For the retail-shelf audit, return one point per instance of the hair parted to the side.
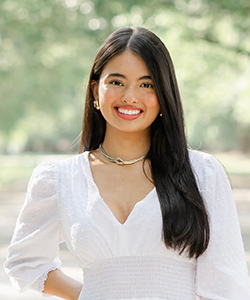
(185, 220)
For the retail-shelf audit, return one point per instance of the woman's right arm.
(32, 259)
(60, 285)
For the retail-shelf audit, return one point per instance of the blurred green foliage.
(47, 48)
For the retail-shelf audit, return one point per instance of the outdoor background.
(46, 51)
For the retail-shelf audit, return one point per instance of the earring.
(96, 105)
(160, 114)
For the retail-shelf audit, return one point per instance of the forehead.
(126, 62)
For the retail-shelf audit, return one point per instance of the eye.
(116, 82)
(147, 85)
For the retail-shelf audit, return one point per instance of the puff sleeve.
(35, 244)
(221, 270)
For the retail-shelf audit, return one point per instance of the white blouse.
(130, 260)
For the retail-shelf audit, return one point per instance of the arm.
(32, 259)
(60, 285)
(221, 270)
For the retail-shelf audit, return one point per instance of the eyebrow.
(123, 76)
(145, 77)
(116, 75)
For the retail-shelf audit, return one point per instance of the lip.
(126, 116)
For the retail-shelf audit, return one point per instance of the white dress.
(125, 261)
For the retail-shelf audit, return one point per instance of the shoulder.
(73, 167)
(47, 176)
(207, 169)
(204, 161)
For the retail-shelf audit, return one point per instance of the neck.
(127, 146)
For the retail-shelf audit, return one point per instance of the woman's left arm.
(221, 270)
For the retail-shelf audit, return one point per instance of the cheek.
(106, 94)
(151, 101)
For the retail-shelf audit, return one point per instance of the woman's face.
(126, 94)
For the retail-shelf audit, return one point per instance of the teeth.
(128, 111)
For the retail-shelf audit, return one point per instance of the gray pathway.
(10, 204)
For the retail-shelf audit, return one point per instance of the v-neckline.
(94, 185)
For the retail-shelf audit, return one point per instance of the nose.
(130, 96)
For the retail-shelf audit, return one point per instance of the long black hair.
(185, 220)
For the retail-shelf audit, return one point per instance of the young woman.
(144, 217)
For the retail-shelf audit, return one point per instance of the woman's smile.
(128, 113)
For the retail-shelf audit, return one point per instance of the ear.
(94, 87)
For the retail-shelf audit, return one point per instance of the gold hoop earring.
(96, 105)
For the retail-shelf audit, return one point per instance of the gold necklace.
(118, 160)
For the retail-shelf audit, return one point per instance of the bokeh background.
(47, 48)
(46, 51)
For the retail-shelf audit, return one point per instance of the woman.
(144, 217)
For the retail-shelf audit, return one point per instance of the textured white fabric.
(139, 276)
(130, 260)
